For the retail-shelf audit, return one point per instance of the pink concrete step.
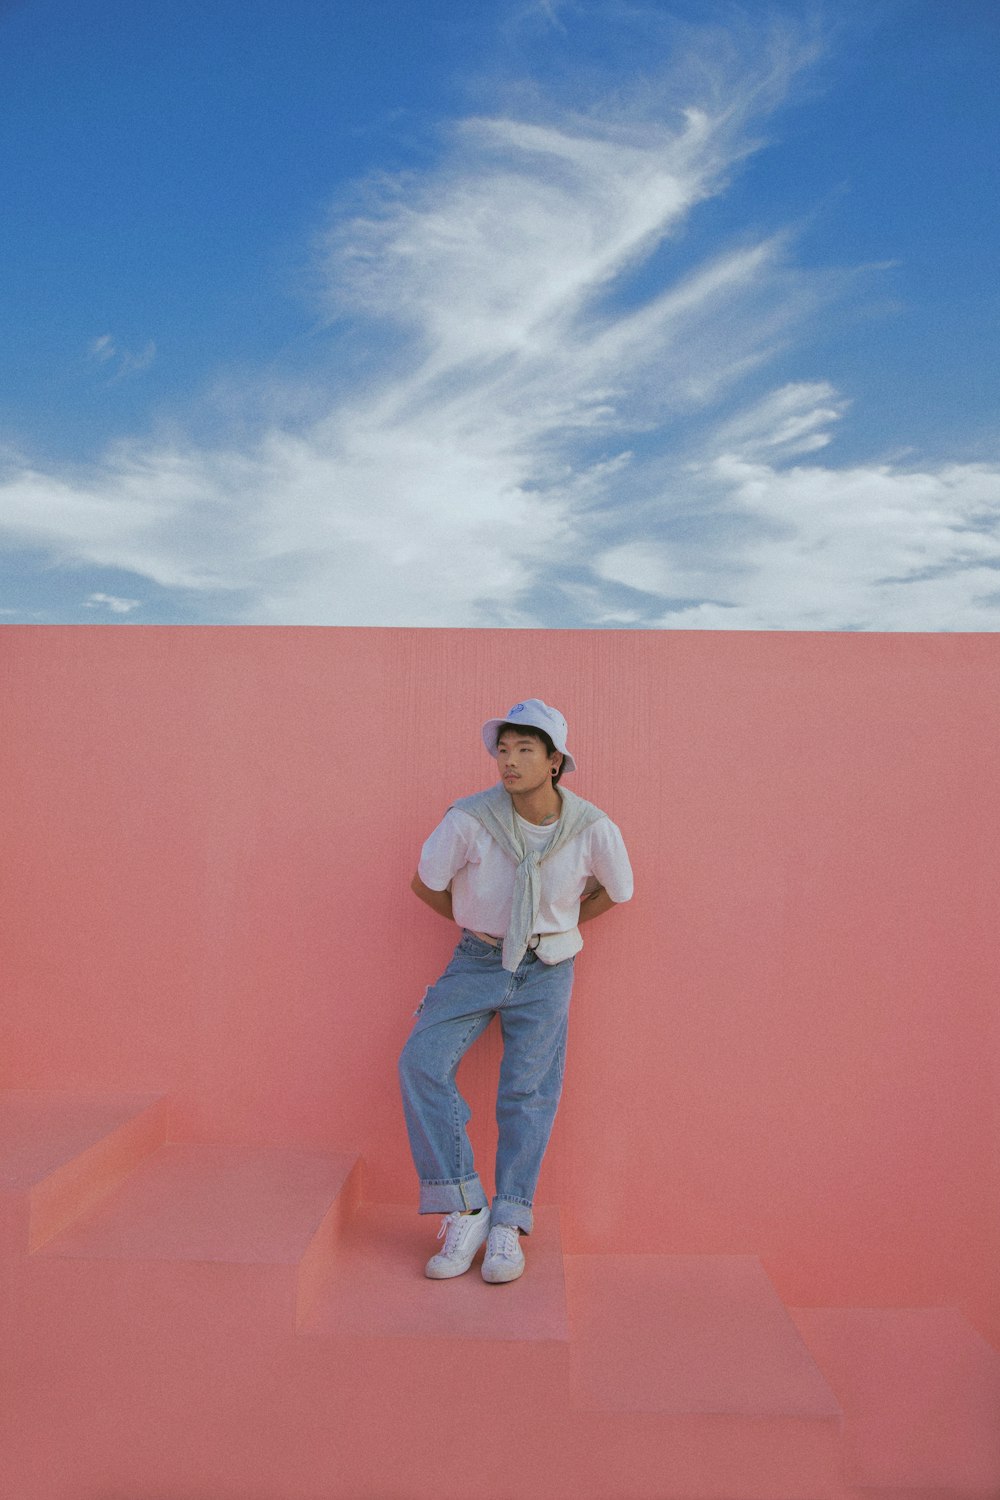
(379, 1289)
(681, 1378)
(672, 1378)
(60, 1153)
(223, 1218)
(692, 1374)
(920, 1391)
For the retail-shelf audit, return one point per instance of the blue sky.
(562, 313)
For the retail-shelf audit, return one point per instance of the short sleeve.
(446, 851)
(610, 861)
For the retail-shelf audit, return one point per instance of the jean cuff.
(452, 1197)
(512, 1211)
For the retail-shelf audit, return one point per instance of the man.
(518, 867)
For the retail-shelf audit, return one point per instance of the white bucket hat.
(540, 716)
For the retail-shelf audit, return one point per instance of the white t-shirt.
(460, 853)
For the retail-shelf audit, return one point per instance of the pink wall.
(785, 1045)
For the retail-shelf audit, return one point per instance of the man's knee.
(416, 1061)
(405, 1063)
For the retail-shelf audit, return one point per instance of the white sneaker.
(504, 1257)
(463, 1236)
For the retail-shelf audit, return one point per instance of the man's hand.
(439, 901)
(594, 903)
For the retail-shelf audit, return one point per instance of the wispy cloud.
(763, 542)
(542, 430)
(111, 602)
(121, 362)
(102, 349)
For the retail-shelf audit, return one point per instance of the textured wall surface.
(785, 1045)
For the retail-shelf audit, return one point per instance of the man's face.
(524, 763)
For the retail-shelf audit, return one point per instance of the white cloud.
(102, 349)
(874, 547)
(795, 419)
(105, 350)
(538, 436)
(112, 602)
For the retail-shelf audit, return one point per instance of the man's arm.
(595, 903)
(439, 901)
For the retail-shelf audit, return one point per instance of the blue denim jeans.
(533, 1006)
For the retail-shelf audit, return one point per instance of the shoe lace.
(451, 1231)
(503, 1241)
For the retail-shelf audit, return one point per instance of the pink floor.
(769, 1225)
(198, 1332)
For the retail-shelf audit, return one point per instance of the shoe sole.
(450, 1272)
(496, 1278)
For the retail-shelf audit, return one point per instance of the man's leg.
(534, 1021)
(455, 1012)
